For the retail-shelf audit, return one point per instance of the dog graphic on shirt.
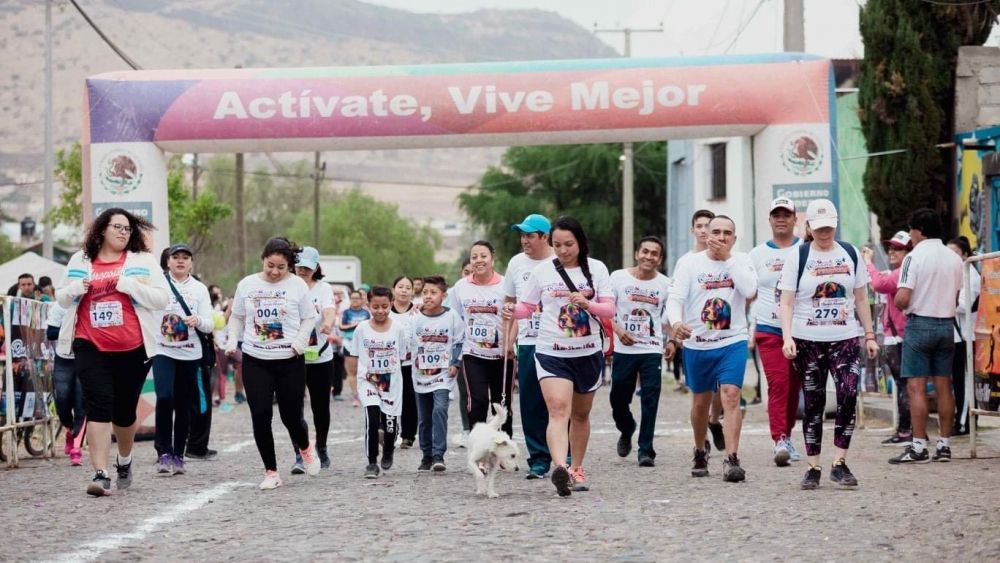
(716, 314)
(574, 321)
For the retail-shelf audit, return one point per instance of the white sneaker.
(311, 461)
(781, 453)
(271, 481)
(794, 454)
(463, 440)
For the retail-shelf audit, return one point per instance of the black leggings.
(408, 418)
(111, 381)
(376, 420)
(339, 373)
(262, 380)
(486, 383)
(318, 382)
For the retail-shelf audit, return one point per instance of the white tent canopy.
(30, 263)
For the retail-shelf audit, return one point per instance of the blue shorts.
(585, 371)
(705, 370)
(928, 347)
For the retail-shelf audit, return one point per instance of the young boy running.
(380, 346)
(437, 339)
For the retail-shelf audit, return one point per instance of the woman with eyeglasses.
(112, 288)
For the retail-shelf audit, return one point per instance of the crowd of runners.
(548, 323)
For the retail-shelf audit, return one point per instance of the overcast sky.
(691, 27)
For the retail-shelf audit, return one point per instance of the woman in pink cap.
(893, 325)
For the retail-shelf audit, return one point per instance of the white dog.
(490, 450)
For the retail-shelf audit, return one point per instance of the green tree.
(70, 173)
(359, 225)
(8, 250)
(906, 97)
(583, 181)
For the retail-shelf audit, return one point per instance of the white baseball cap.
(900, 240)
(782, 203)
(821, 213)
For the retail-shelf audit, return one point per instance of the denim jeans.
(69, 395)
(432, 422)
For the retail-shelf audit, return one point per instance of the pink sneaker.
(310, 460)
(75, 457)
(68, 447)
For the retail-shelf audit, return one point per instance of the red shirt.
(106, 316)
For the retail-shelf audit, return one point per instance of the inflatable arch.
(784, 101)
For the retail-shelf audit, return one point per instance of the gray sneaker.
(124, 479)
(731, 470)
(299, 467)
(164, 463)
(178, 465)
(100, 486)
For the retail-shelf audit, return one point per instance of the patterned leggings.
(813, 362)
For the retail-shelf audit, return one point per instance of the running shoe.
(356, 403)
(239, 399)
(338, 397)
(76, 457)
(579, 479)
(439, 465)
(646, 460)
(536, 472)
(299, 467)
(898, 440)
(100, 485)
(163, 464)
(463, 440)
(324, 458)
(178, 468)
(406, 443)
(425, 463)
(942, 453)
(271, 481)
(124, 479)
(209, 455)
(371, 472)
(700, 466)
(387, 456)
(842, 475)
(731, 470)
(911, 455)
(781, 454)
(718, 438)
(625, 444)
(68, 446)
(811, 480)
(311, 461)
(793, 454)
(562, 481)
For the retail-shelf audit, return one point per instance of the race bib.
(638, 325)
(268, 317)
(481, 331)
(830, 309)
(433, 359)
(534, 323)
(382, 361)
(106, 314)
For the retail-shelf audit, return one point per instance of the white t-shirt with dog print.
(273, 313)
(380, 356)
(433, 344)
(567, 331)
(824, 301)
(640, 309)
(710, 296)
(479, 307)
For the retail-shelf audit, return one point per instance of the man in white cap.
(534, 231)
(893, 328)
(782, 382)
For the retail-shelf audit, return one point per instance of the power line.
(746, 24)
(128, 60)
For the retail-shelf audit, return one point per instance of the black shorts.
(112, 381)
(584, 371)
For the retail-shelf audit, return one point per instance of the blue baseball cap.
(533, 223)
(307, 258)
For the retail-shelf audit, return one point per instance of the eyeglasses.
(123, 229)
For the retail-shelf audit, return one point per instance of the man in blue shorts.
(707, 306)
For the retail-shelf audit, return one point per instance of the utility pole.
(49, 159)
(195, 174)
(794, 26)
(241, 230)
(319, 171)
(628, 187)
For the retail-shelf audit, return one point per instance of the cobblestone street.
(215, 512)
